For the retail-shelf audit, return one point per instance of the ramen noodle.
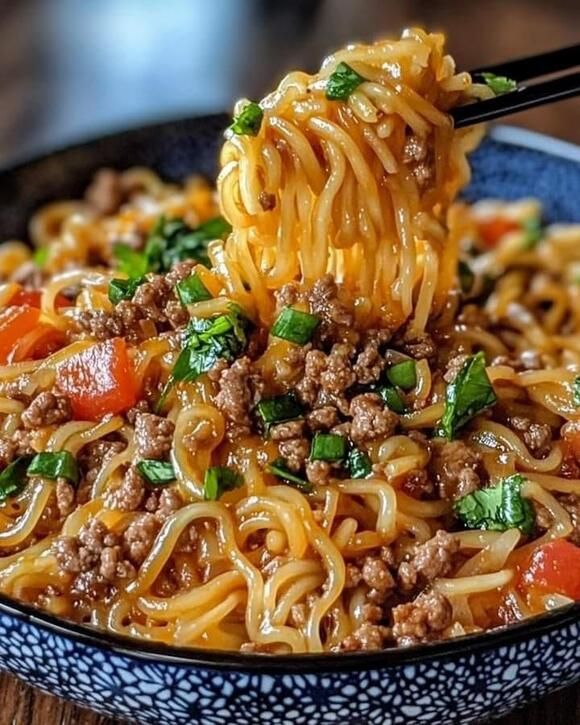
(326, 408)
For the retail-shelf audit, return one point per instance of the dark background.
(73, 69)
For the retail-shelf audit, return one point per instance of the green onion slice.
(342, 82)
(295, 326)
(499, 84)
(218, 480)
(13, 477)
(248, 121)
(61, 464)
(280, 409)
(192, 290)
(124, 289)
(358, 464)
(393, 399)
(403, 375)
(280, 469)
(157, 473)
(328, 447)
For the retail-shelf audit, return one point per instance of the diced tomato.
(32, 297)
(99, 380)
(554, 567)
(492, 230)
(39, 343)
(15, 323)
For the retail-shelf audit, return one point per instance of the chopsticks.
(525, 96)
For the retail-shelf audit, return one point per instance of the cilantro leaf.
(469, 394)
(497, 508)
(342, 82)
(248, 121)
(499, 84)
(124, 289)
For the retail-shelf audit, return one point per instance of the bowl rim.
(544, 624)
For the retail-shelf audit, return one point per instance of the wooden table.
(23, 705)
(43, 56)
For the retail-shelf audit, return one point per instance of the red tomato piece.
(492, 230)
(15, 322)
(554, 567)
(39, 343)
(99, 380)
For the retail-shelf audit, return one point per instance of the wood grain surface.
(49, 49)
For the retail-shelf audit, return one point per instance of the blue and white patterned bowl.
(459, 681)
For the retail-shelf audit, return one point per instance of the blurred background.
(72, 69)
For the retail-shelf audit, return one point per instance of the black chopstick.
(534, 66)
(524, 97)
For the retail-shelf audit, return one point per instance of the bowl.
(458, 681)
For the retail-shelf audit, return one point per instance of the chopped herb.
(328, 447)
(466, 277)
(576, 391)
(279, 410)
(469, 394)
(342, 82)
(207, 341)
(249, 120)
(40, 256)
(499, 84)
(497, 508)
(358, 464)
(124, 289)
(218, 480)
(295, 326)
(532, 228)
(157, 473)
(393, 399)
(403, 375)
(280, 469)
(192, 290)
(13, 477)
(54, 465)
(129, 261)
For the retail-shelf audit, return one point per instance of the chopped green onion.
(469, 394)
(403, 375)
(499, 84)
(576, 391)
(342, 82)
(129, 261)
(533, 232)
(279, 468)
(218, 480)
(497, 508)
(328, 447)
(279, 410)
(466, 277)
(295, 326)
(192, 290)
(124, 289)
(393, 399)
(54, 465)
(249, 120)
(40, 256)
(358, 464)
(13, 477)
(157, 473)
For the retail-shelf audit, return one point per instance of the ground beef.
(324, 301)
(163, 504)
(267, 201)
(419, 345)
(322, 419)
(422, 620)
(418, 484)
(367, 637)
(428, 561)
(65, 497)
(99, 324)
(47, 409)
(287, 296)
(318, 472)
(94, 556)
(129, 495)
(105, 193)
(353, 576)
(7, 452)
(153, 436)
(298, 615)
(456, 469)
(370, 419)
(327, 378)
(369, 363)
(295, 452)
(93, 457)
(240, 388)
(287, 431)
(571, 502)
(139, 536)
(376, 575)
(536, 436)
(474, 316)
(309, 386)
